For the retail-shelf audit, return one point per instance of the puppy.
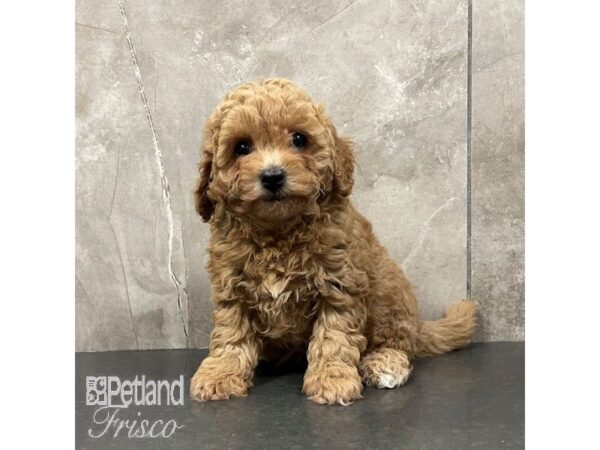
(294, 268)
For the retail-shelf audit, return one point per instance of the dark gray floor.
(473, 398)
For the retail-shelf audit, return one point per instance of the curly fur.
(304, 273)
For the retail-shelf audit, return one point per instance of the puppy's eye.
(243, 147)
(299, 140)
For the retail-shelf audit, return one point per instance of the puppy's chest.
(282, 291)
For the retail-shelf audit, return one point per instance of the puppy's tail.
(454, 330)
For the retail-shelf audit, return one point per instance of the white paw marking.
(388, 381)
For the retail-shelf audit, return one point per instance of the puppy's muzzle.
(273, 179)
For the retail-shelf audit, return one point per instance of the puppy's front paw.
(333, 385)
(210, 383)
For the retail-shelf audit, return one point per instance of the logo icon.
(96, 391)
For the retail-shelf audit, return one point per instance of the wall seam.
(469, 143)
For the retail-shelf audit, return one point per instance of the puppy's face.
(270, 154)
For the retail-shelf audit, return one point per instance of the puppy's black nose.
(273, 179)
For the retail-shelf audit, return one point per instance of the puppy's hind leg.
(386, 364)
(392, 327)
(385, 368)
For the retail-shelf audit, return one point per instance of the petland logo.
(113, 395)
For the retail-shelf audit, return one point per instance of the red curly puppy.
(294, 267)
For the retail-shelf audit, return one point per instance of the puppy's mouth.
(274, 207)
(275, 196)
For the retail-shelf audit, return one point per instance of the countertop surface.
(471, 398)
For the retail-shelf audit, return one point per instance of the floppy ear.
(204, 205)
(343, 156)
(343, 165)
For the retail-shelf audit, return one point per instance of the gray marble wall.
(498, 159)
(395, 76)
